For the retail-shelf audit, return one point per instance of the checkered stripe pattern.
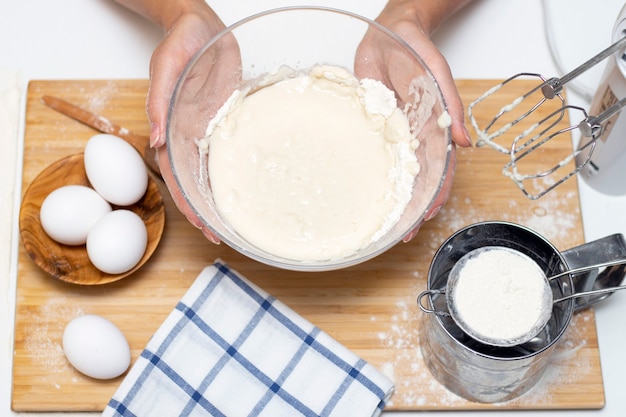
(230, 349)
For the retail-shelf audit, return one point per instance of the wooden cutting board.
(370, 308)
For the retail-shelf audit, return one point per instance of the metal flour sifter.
(600, 157)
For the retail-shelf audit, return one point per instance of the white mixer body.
(606, 170)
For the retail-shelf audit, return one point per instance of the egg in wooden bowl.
(125, 236)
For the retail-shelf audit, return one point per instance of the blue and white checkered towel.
(230, 349)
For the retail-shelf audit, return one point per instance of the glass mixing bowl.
(302, 37)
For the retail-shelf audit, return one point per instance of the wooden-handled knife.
(104, 125)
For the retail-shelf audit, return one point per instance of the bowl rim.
(292, 264)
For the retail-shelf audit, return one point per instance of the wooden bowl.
(71, 263)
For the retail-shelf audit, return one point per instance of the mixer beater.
(546, 104)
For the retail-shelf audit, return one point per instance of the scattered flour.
(415, 386)
(100, 101)
(553, 218)
(43, 340)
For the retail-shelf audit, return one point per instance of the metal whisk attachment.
(532, 120)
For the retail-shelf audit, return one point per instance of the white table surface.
(77, 39)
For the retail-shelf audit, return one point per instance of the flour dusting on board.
(415, 386)
(98, 102)
(44, 337)
(554, 218)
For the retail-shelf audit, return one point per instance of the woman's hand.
(188, 25)
(414, 21)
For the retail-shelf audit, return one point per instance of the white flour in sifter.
(311, 166)
(500, 295)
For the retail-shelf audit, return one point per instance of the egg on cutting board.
(115, 169)
(96, 347)
(100, 215)
(68, 213)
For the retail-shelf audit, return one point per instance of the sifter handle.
(428, 310)
(609, 251)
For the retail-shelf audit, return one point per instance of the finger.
(210, 236)
(412, 233)
(178, 198)
(442, 197)
(442, 73)
(164, 72)
(446, 187)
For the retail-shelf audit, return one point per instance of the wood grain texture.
(371, 308)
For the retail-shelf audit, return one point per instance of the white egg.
(115, 169)
(69, 212)
(117, 242)
(96, 347)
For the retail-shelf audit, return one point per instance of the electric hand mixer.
(601, 142)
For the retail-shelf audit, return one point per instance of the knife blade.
(104, 125)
